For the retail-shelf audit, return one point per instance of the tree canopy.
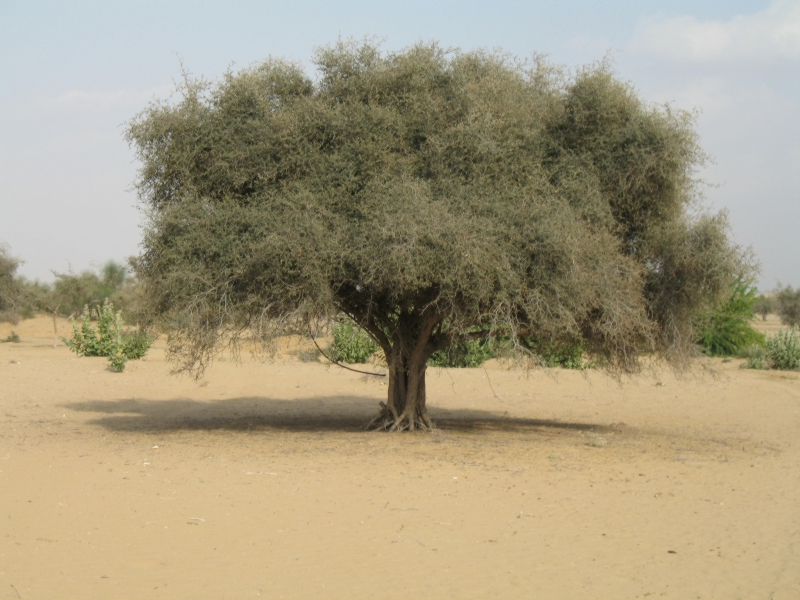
(787, 300)
(432, 196)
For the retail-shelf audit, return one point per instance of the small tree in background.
(764, 306)
(788, 305)
(74, 291)
(10, 289)
(433, 197)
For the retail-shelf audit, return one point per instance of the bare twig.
(489, 381)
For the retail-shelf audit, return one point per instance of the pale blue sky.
(73, 73)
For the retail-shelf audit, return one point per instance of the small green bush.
(135, 345)
(727, 330)
(13, 338)
(783, 350)
(468, 354)
(756, 357)
(88, 341)
(351, 344)
(108, 339)
(567, 354)
(118, 359)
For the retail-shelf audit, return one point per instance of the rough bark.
(405, 408)
(407, 356)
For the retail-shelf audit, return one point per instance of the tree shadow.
(319, 414)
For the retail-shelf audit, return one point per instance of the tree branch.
(338, 364)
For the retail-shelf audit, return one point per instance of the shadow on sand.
(334, 413)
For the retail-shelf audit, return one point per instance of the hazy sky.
(72, 73)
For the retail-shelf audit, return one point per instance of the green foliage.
(69, 293)
(426, 192)
(727, 329)
(466, 354)
(118, 359)
(783, 350)
(788, 305)
(473, 353)
(136, 344)
(351, 344)
(113, 275)
(12, 338)
(34, 297)
(102, 341)
(10, 291)
(108, 338)
(72, 292)
(565, 355)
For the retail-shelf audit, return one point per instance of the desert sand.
(257, 480)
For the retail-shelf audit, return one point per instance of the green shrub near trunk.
(351, 344)
(466, 354)
(727, 330)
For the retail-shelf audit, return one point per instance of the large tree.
(433, 197)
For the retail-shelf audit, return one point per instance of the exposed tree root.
(387, 419)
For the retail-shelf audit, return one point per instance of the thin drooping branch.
(338, 364)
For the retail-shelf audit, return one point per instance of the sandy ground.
(257, 481)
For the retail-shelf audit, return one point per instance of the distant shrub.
(756, 357)
(351, 344)
(307, 354)
(788, 306)
(13, 338)
(565, 353)
(468, 354)
(108, 339)
(727, 329)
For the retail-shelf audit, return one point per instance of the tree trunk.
(405, 408)
(55, 328)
